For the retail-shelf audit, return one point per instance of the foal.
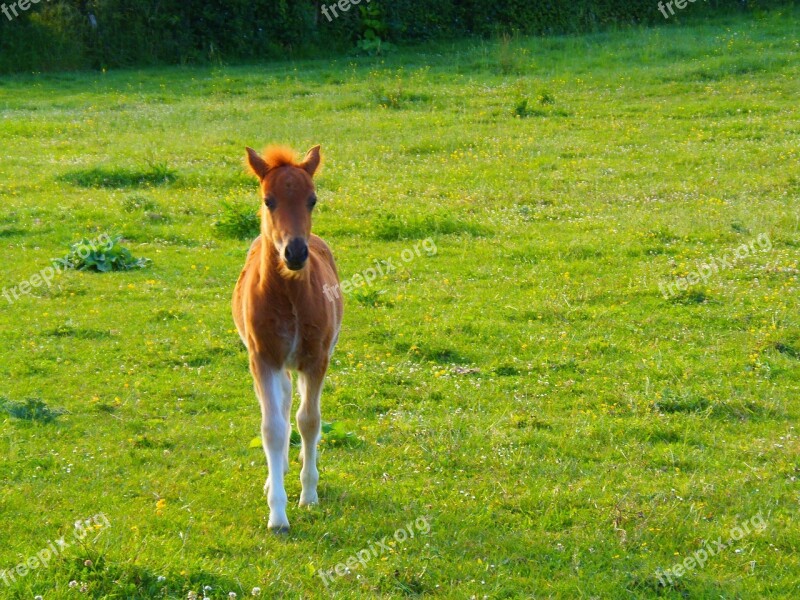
(285, 320)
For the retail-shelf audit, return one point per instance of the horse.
(285, 320)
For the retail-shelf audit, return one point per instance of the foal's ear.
(258, 166)
(311, 161)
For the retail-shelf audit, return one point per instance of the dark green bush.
(71, 34)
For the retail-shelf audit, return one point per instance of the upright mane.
(280, 156)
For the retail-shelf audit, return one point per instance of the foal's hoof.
(279, 529)
(278, 523)
(310, 501)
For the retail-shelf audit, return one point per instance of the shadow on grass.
(395, 228)
(11, 232)
(114, 178)
(789, 350)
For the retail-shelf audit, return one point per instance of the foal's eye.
(270, 202)
(312, 202)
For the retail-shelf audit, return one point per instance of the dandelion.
(160, 506)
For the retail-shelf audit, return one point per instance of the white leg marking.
(309, 422)
(286, 383)
(273, 437)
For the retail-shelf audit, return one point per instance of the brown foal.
(285, 320)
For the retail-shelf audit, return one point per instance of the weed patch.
(31, 409)
(86, 255)
(238, 221)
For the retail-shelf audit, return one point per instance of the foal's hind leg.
(309, 422)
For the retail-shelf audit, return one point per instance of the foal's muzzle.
(296, 254)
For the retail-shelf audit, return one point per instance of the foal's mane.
(280, 156)
(275, 157)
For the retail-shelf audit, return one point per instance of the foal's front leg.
(308, 422)
(286, 382)
(270, 388)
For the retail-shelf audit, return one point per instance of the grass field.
(562, 422)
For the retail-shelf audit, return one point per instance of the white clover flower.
(192, 596)
(161, 579)
(73, 584)
(256, 591)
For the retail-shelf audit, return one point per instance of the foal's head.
(287, 193)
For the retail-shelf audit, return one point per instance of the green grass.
(565, 429)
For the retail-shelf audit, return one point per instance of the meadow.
(527, 400)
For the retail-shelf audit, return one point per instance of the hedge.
(79, 34)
